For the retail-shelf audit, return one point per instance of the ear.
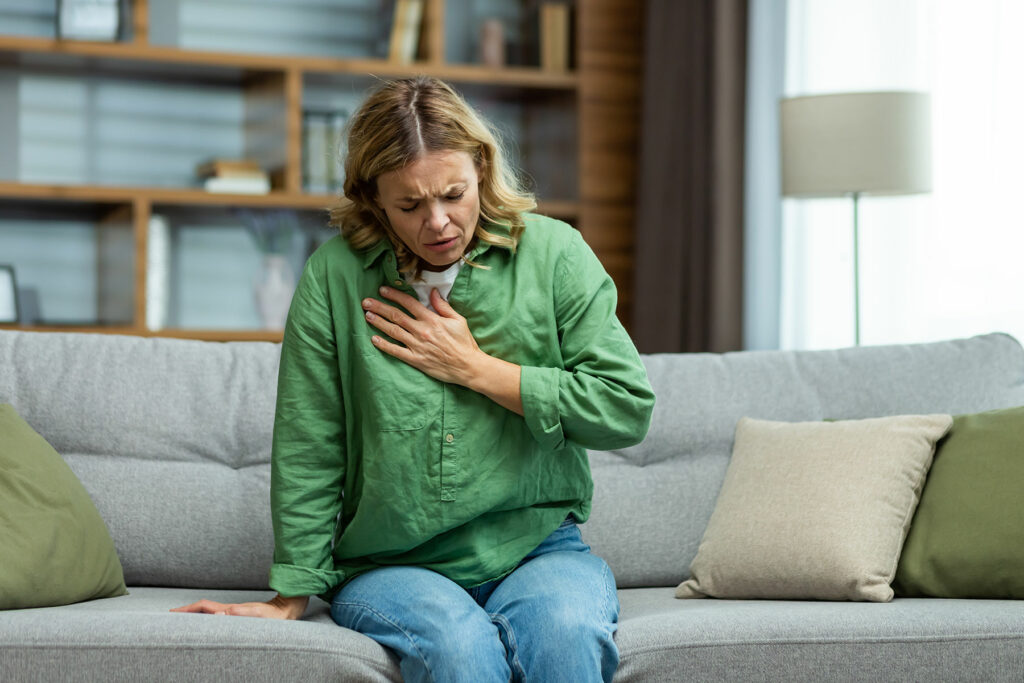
(479, 164)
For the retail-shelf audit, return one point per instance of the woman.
(445, 363)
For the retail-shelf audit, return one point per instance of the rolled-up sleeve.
(307, 460)
(601, 398)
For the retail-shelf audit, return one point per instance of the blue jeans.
(551, 620)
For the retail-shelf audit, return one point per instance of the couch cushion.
(815, 510)
(55, 547)
(135, 638)
(967, 537)
(666, 640)
(653, 501)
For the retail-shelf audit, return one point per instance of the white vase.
(492, 43)
(273, 290)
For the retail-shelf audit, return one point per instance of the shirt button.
(449, 438)
(398, 283)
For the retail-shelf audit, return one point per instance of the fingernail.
(369, 316)
(367, 303)
(384, 290)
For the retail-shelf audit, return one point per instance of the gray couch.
(172, 440)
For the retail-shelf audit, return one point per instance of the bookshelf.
(81, 187)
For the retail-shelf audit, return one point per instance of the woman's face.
(433, 205)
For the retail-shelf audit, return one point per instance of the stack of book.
(323, 150)
(233, 176)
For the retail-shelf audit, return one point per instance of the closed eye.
(450, 198)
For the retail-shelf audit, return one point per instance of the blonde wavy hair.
(399, 123)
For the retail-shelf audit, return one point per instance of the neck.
(435, 269)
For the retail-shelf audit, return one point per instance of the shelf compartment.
(202, 265)
(540, 133)
(538, 128)
(521, 27)
(74, 262)
(110, 130)
(324, 28)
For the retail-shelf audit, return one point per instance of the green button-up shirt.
(375, 463)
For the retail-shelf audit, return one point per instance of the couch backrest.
(172, 438)
(653, 501)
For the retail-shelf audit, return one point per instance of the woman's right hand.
(276, 608)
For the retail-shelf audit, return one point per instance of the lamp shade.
(867, 142)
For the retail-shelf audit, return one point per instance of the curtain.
(689, 234)
(762, 209)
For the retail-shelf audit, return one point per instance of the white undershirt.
(429, 280)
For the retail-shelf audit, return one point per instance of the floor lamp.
(851, 144)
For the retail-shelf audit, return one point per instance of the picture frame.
(8, 295)
(97, 20)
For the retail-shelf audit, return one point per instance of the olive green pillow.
(967, 537)
(55, 547)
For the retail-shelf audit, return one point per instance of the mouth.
(443, 245)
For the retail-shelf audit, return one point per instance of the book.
(115, 272)
(235, 168)
(554, 36)
(405, 31)
(237, 185)
(337, 149)
(316, 156)
(158, 272)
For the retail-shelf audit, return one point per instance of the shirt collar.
(373, 253)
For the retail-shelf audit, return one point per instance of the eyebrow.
(448, 190)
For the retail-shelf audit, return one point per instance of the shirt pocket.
(393, 396)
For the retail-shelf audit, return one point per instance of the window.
(934, 266)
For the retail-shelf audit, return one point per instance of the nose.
(437, 216)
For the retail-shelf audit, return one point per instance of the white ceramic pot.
(273, 290)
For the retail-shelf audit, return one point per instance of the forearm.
(498, 380)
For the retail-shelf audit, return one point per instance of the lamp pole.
(856, 270)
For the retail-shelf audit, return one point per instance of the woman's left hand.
(440, 344)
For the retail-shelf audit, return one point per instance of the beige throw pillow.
(815, 510)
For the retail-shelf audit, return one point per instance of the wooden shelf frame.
(605, 220)
(133, 331)
(103, 194)
(162, 195)
(127, 52)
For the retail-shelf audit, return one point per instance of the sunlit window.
(937, 266)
